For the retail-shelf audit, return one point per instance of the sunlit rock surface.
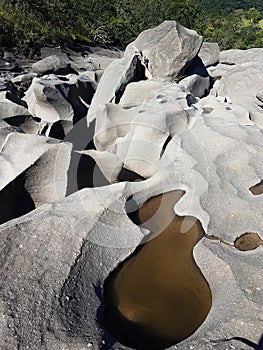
(162, 52)
(209, 53)
(159, 124)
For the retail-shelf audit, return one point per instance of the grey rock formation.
(60, 99)
(33, 172)
(209, 53)
(236, 56)
(9, 66)
(27, 124)
(46, 102)
(197, 79)
(6, 85)
(56, 307)
(114, 81)
(144, 58)
(151, 127)
(22, 82)
(5, 130)
(168, 47)
(11, 105)
(136, 93)
(219, 70)
(53, 64)
(241, 84)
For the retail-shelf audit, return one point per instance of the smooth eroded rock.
(58, 64)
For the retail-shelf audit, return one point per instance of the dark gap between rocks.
(129, 175)
(137, 73)
(158, 296)
(15, 200)
(257, 189)
(57, 131)
(84, 172)
(169, 138)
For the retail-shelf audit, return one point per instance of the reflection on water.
(158, 296)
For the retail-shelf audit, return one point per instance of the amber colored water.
(248, 241)
(158, 296)
(257, 189)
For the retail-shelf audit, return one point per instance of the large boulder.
(162, 53)
(116, 77)
(168, 49)
(209, 53)
(129, 132)
(57, 64)
(46, 102)
(136, 93)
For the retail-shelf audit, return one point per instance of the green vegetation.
(237, 29)
(233, 24)
(230, 5)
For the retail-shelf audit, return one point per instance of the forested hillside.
(230, 5)
(117, 22)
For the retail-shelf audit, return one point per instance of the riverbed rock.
(11, 105)
(5, 130)
(9, 66)
(49, 233)
(54, 98)
(196, 78)
(236, 56)
(170, 40)
(209, 53)
(219, 70)
(146, 135)
(241, 84)
(136, 93)
(34, 172)
(57, 64)
(143, 60)
(46, 102)
(23, 81)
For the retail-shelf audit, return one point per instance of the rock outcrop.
(53, 64)
(77, 160)
(160, 53)
(65, 99)
(209, 54)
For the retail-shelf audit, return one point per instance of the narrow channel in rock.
(158, 296)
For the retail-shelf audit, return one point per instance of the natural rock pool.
(158, 296)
